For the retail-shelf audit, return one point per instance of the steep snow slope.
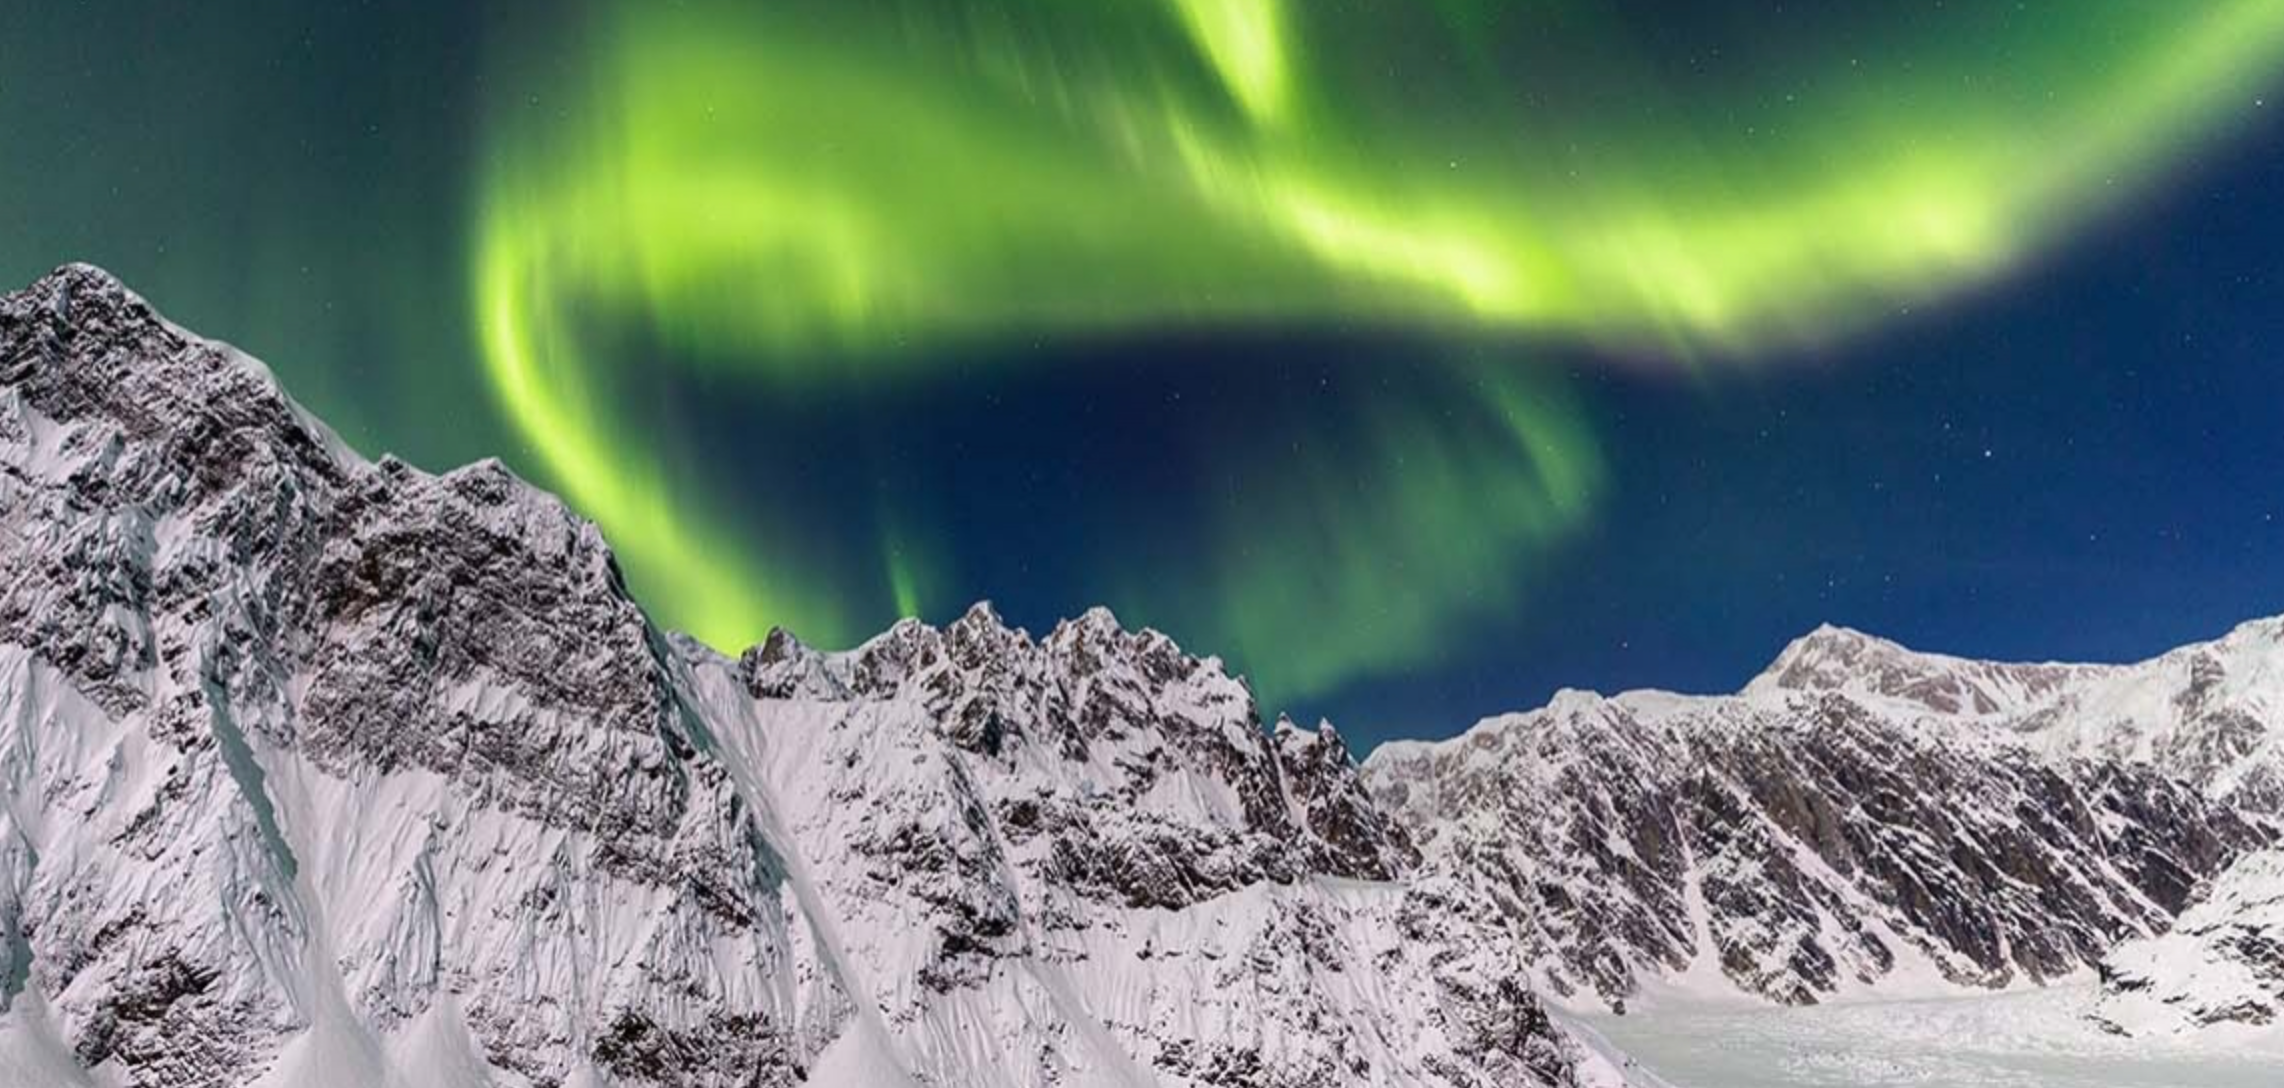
(2223, 962)
(319, 770)
(298, 747)
(2210, 713)
(1090, 842)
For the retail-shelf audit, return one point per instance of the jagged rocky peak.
(1096, 707)
(322, 771)
(298, 734)
(1324, 780)
(81, 348)
(781, 666)
(1090, 677)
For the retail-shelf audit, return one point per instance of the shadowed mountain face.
(1801, 846)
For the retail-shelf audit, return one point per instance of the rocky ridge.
(2205, 713)
(325, 768)
(321, 766)
(1800, 848)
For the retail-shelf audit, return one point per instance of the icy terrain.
(1801, 846)
(2205, 713)
(1884, 838)
(2222, 965)
(2027, 1039)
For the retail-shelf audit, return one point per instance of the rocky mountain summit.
(1869, 669)
(321, 770)
(2205, 713)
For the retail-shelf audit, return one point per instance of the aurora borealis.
(1319, 335)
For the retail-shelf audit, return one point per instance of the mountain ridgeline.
(327, 769)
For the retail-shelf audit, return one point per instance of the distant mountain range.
(1861, 818)
(326, 770)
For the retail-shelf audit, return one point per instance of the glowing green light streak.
(677, 558)
(796, 189)
(1358, 556)
(1245, 40)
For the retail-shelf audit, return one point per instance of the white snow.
(365, 919)
(2027, 1039)
(2220, 971)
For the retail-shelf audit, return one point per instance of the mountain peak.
(982, 612)
(422, 708)
(1834, 658)
(78, 345)
(1825, 651)
(1096, 622)
(80, 276)
(78, 306)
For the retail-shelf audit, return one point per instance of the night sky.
(1419, 358)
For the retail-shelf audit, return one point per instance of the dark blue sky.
(2084, 460)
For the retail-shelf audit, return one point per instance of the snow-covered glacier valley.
(2033, 1038)
(323, 770)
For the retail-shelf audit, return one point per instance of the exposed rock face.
(1800, 846)
(2223, 963)
(323, 770)
(337, 772)
(2207, 713)
(302, 744)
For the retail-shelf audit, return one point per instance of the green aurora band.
(806, 193)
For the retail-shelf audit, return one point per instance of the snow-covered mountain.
(1798, 849)
(1874, 670)
(326, 771)
(321, 770)
(1861, 817)
(2211, 713)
